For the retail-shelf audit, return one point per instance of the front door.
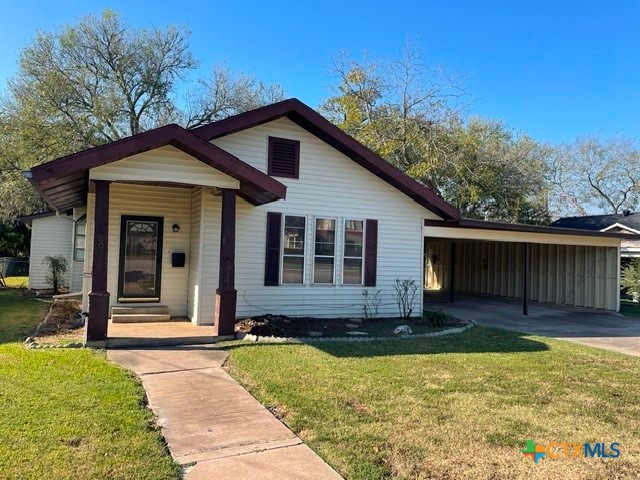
(140, 259)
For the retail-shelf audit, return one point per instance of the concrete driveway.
(595, 328)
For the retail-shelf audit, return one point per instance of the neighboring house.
(56, 235)
(278, 211)
(624, 223)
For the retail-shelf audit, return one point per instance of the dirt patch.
(63, 317)
(283, 326)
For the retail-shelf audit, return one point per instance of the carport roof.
(522, 228)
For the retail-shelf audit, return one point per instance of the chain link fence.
(14, 267)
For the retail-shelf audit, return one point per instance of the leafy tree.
(596, 173)
(14, 240)
(100, 80)
(630, 278)
(410, 114)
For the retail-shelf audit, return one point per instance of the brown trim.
(370, 253)
(226, 296)
(452, 272)
(64, 181)
(123, 251)
(272, 255)
(525, 279)
(322, 128)
(270, 163)
(27, 219)
(519, 227)
(97, 322)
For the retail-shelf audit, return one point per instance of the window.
(79, 238)
(284, 157)
(353, 252)
(325, 247)
(293, 249)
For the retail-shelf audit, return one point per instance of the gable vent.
(284, 157)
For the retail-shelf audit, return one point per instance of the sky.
(554, 70)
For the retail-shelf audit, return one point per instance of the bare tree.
(596, 174)
(226, 93)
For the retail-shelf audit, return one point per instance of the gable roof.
(322, 128)
(64, 182)
(600, 222)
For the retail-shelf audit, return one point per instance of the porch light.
(175, 228)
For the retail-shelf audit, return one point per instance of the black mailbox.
(177, 259)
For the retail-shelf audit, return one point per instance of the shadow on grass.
(476, 340)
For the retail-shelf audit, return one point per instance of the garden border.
(262, 339)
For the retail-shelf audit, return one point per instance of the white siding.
(330, 185)
(210, 256)
(165, 164)
(50, 236)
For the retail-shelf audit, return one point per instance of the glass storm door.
(140, 259)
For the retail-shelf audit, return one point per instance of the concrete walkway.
(596, 328)
(208, 419)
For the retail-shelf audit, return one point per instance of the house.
(277, 210)
(56, 235)
(624, 223)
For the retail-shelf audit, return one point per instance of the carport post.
(525, 278)
(452, 270)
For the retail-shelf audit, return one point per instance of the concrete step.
(132, 309)
(140, 317)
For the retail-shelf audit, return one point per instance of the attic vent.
(284, 157)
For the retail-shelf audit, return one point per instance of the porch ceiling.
(64, 182)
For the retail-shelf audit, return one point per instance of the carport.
(552, 265)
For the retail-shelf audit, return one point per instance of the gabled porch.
(161, 221)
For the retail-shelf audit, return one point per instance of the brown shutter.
(370, 253)
(272, 259)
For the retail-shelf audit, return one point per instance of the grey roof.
(599, 222)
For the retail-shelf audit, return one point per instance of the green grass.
(629, 308)
(16, 282)
(456, 407)
(70, 413)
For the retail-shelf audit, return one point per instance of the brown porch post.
(525, 279)
(226, 295)
(98, 319)
(452, 271)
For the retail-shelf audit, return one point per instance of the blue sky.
(555, 70)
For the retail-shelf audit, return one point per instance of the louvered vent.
(284, 157)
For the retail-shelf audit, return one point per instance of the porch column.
(98, 319)
(452, 271)
(525, 279)
(226, 295)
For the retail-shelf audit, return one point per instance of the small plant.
(630, 278)
(405, 296)
(435, 319)
(57, 266)
(371, 303)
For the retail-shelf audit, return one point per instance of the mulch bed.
(283, 326)
(63, 316)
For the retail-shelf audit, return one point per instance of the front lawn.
(70, 413)
(456, 407)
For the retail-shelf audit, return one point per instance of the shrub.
(435, 319)
(57, 266)
(371, 303)
(405, 296)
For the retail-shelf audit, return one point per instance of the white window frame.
(81, 219)
(304, 253)
(344, 244)
(334, 256)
